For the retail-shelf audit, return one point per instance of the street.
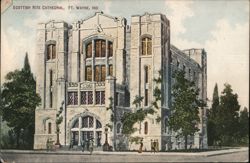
(241, 156)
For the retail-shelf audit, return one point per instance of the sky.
(220, 27)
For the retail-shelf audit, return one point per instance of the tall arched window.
(51, 51)
(146, 46)
(146, 128)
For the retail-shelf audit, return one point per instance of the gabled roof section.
(101, 13)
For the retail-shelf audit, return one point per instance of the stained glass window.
(97, 73)
(103, 74)
(89, 50)
(98, 48)
(88, 73)
(102, 97)
(97, 97)
(72, 98)
(83, 97)
(90, 97)
(103, 52)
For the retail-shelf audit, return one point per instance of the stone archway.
(85, 126)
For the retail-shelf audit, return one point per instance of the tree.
(244, 126)
(213, 117)
(228, 116)
(185, 109)
(59, 119)
(19, 100)
(129, 119)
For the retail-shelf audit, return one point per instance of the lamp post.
(106, 144)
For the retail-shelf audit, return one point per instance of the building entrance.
(86, 128)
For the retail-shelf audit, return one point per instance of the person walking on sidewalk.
(91, 146)
(83, 145)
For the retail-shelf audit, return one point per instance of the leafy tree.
(185, 109)
(244, 126)
(19, 100)
(213, 117)
(228, 116)
(129, 119)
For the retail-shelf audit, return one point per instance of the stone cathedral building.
(81, 65)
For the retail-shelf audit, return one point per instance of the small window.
(146, 46)
(146, 74)
(49, 128)
(72, 98)
(146, 128)
(100, 97)
(51, 51)
(146, 97)
(86, 97)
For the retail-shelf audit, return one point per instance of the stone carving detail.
(100, 84)
(86, 85)
(72, 84)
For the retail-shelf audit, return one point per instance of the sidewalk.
(59, 152)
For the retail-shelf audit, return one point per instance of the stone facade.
(82, 65)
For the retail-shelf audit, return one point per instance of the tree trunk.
(185, 141)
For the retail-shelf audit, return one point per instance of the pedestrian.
(83, 145)
(154, 145)
(141, 146)
(47, 145)
(91, 146)
(157, 145)
(87, 144)
(71, 143)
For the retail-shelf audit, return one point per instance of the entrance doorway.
(86, 128)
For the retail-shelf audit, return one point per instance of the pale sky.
(220, 27)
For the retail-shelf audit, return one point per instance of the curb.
(204, 154)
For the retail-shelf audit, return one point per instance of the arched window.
(51, 51)
(49, 128)
(146, 46)
(118, 128)
(146, 128)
